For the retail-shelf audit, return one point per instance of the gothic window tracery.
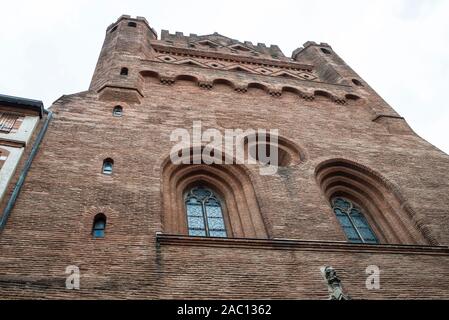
(204, 213)
(353, 222)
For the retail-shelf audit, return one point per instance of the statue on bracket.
(333, 284)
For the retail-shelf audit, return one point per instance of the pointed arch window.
(204, 213)
(353, 222)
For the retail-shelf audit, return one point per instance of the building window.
(7, 121)
(132, 24)
(357, 82)
(118, 111)
(99, 226)
(113, 29)
(108, 165)
(204, 213)
(325, 51)
(124, 72)
(353, 222)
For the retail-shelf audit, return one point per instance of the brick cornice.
(299, 245)
(119, 87)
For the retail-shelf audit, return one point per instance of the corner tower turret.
(331, 68)
(126, 41)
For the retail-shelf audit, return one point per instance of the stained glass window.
(204, 214)
(353, 222)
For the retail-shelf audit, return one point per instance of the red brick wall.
(50, 226)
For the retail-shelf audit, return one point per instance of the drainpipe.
(24, 173)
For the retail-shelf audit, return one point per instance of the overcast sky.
(400, 47)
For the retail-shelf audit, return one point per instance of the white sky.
(400, 47)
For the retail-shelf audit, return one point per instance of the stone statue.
(334, 284)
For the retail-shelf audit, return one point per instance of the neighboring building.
(356, 190)
(19, 118)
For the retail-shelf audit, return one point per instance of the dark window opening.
(124, 72)
(325, 51)
(118, 111)
(108, 165)
(357, 82)
(113, 29)
(132, 24)
(99, 226)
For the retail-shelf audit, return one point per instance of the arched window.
(99, 226)
(108, 165)
(353, 222)
(204, 213)
(118, 111)
(124, 72)
(379, 202)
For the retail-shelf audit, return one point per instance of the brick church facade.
(356, 188)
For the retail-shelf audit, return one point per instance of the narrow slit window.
(124, 72)
(108, 166)
(99, 226)
(117, 111)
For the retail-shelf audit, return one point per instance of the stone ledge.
(12, 143)
(380, 116)
(299, 245)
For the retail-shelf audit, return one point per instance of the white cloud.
(400, 47)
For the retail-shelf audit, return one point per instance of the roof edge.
(24, 103)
